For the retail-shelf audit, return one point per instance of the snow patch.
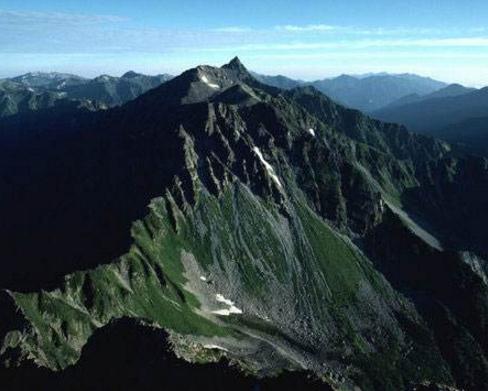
(222, 299)
(207, 82)
(268, 166)
(226, 312)
(311, 131)
(212, 346)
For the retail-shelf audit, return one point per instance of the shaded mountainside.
(126, 356)
(450, 91)
(270, 239)
(453, 118)
(471, 134)
(436, 113)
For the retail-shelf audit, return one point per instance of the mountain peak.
(236, 65)
(130, 75)
(204, 82)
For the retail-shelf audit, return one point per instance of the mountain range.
(458, 116)
(451, 90)
(364, 92)
(273, 229)
(16, 98)
(367, 92)
(451, 112)
(38, 90)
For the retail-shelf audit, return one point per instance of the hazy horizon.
(94, 75)
(307, 41)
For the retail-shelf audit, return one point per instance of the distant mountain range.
(38, 90)
(446, 92)
(18, 98)
(456, 114)
(279, 81)
(367, 92)
(48, 80)
(364, 92)
(115, 90)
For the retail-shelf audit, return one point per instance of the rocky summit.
(273, 230)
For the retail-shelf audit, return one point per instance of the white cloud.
(308, 28)
(233, 29)
(460, 42)
(112, 42)
(50, 18)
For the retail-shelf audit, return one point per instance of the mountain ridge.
(432, 116)
(40, 90)
(451, 90)
(363, 92)
(264, 203)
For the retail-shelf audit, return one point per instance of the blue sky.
(444, 39)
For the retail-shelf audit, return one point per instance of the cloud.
(55, 18)
(308, 28)
(70, 39)
(233, 29)
(458, 42)
(380, 31)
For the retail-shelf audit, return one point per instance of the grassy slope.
(325, 276)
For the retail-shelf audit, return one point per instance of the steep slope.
(128, 356)
(470, 134)
(273, 221)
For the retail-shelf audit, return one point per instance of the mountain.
(436, 113)
(453, 113)
(450, 91)
(373, 92)
(470, 134)
(48, 80)
(272, 229)
(114, 91)
(16, 98)
(38, 90)
(370, 91)
(279, 81)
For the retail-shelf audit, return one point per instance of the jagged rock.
(301, 213)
